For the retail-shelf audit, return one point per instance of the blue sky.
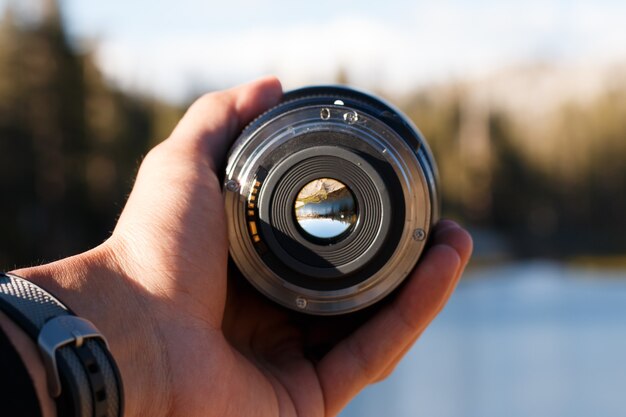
(173, 48)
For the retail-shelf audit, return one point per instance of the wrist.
(93, 287)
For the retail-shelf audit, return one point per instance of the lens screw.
(325, 113)
(233, 186)
(351, 117)
(419, 234)
(301, 302)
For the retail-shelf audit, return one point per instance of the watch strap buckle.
(57, 333)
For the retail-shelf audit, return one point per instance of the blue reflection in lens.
(325, 208)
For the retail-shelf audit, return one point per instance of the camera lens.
(330, 197)
(325, 209)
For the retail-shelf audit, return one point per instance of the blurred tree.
(561, 199)
(341, 76)
(69, 143)
(438, 115)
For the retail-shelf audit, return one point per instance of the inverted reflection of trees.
(339, 210)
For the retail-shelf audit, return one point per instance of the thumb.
(176, 198)
(213, 120)
(183, 167)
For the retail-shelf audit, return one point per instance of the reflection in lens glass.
(325, 208)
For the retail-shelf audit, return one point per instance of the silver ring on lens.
(330, 198)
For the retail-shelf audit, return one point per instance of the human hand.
(188, 341)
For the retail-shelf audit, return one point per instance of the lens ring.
(281, 232)
(368, 199)
(285, 130)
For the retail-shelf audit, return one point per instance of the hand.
(188, 341)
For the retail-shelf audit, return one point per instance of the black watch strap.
(82, 375)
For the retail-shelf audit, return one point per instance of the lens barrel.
(330, 197)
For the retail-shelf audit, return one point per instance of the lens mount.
(329, 198)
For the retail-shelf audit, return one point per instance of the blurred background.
(523, 103)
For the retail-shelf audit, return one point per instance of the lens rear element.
(325, 209)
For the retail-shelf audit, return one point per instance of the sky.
(175, 49)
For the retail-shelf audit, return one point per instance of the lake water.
(524, 340)
(324, 227)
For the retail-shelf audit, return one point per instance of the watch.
(82, 375)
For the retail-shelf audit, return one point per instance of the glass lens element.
(325, 208)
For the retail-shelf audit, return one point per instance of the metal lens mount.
(330, 197)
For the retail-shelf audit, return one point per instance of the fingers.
(450, 233)
(214, 120)
(463, 244)
(363, 356)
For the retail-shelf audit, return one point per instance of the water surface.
(524, 340)
(324, 227)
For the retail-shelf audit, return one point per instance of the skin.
(190, 342)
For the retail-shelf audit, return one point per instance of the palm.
(267, 341)
(284, 347)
